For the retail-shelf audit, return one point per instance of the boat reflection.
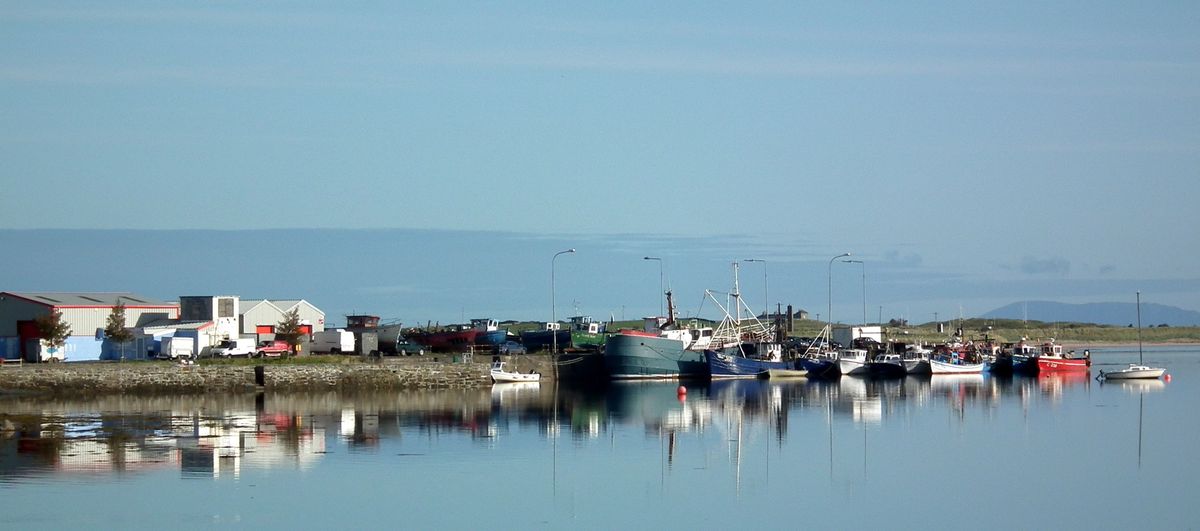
(1135, 387)
(222, 436)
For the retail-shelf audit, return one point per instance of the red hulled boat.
(1052, 359)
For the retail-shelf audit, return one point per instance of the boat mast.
(670, 312)
(737, 303)
(1139, 323)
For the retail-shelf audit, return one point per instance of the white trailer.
(173, 348)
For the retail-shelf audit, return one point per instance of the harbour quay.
(345, 374)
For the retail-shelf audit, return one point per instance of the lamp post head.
(651, 258)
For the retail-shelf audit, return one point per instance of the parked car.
(408, 348)
(510, 348)
(272, 348)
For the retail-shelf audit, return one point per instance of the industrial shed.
(86, 313)
(261, 316)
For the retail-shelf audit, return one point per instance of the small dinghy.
(500, 374)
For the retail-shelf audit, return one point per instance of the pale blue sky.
(1016, 145)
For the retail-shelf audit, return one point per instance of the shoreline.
(157, 377)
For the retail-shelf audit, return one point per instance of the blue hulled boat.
(747, 361)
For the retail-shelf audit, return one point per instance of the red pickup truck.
(274, 348)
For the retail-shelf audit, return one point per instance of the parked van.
(332, 341)
(242, 346)
(173, 348)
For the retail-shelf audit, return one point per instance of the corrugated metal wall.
(13, 310)
(263, 314)
(309, 314)
(85, 321)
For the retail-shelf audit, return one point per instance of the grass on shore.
(1007, 330)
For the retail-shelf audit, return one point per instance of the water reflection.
(221, 437)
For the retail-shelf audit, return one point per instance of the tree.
(52, 329)
(289, 328)
(114, 328)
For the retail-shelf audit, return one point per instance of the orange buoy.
(1167, 378)
(681, 391)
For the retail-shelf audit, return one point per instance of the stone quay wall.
(169, 377)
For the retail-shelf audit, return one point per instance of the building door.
(29, 333)
(264, 329)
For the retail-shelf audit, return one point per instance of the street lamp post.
(553, 314)
(829, 301)
(766, 300)
(864, 286)
(660, 281)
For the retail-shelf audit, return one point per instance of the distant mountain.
(1109, 313)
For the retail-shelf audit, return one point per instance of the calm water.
(943, 452)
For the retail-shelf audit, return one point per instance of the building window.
(225, 307)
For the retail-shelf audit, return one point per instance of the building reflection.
(224, 436)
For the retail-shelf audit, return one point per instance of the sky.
(970, 154)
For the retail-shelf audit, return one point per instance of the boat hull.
(587, 340)
(514, 377)
(454, 341)
(850, 367)
(1024, 365)
(942, 367)
(1045, 364)
(1134, 373)
(886, 369)
(544, 339)
(1002, 365)
(920, 366)
(628, 356)
(491, 337)
(819, 367)
(725, 365)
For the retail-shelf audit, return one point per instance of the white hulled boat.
(500, 374)
(852, 361)
(1135, 371)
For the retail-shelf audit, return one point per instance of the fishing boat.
(490, 333)
(1135, 371)
(916, 360)
(852, 362)
(662, 349)
(746, 363)
(454, 338)
(1052, 359)
(818, 360)
(756, 348)
(553, 335)
(954, 366)
(1021, 359)
(667, 349)
(501, 374)
(886, 366)
(587, 334)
